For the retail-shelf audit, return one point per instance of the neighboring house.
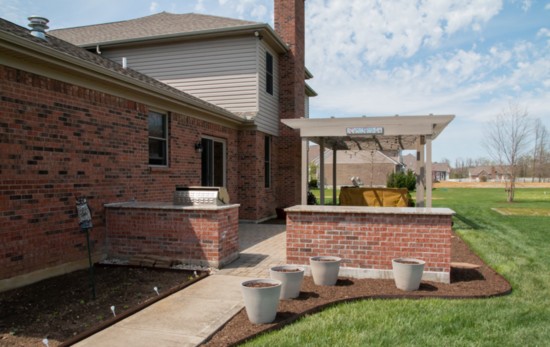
(370, 167)
(440, 171)
(74, 123)
(488, 173)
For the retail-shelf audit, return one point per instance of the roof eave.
(310, 92)
(264, 29)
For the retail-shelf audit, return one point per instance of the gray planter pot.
(407, 273)
(291, 280)
(324, 270)
(261, 302)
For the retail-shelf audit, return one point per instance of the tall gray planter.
(407, 273)
(261, 302)
(324, 270)
(291, 277)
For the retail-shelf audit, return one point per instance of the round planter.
(291, 278)
(407, 273)
(261, 299)
(324, 270)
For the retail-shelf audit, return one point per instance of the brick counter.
(198, 235)
(368, 238)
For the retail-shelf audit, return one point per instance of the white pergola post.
(334, 175)
(420, 172)
(305, 170)
(429, 178)
(322, 172)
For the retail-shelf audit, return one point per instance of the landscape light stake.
(91, 265)
(85, 222)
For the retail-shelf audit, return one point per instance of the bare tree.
(540, 144)
(506, 139)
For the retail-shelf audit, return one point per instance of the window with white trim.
(158, 138)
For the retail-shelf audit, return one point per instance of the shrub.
(313, 183)
(402, 180)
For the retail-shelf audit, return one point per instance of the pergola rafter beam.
(375, 133)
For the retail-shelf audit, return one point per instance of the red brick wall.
(257, 201)
(290, 25)
(200, 237)
(58, 141)
(370, 241)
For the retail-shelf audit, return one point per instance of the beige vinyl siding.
(268, 116)
(220, 71)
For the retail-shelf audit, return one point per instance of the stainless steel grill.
(201, 196)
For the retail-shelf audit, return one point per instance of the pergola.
(373, 133)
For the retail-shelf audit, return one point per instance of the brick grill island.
(201, 234)
(368, 238)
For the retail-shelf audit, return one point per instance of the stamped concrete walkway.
(190, 316)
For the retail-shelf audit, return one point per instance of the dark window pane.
(269, 63)
(157, 152)
(157, 126)
(269, 84)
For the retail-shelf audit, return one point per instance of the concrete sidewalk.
(191, 315)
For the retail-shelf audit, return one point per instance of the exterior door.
(213, 162)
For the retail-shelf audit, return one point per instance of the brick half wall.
(368, 238)
(206, 236)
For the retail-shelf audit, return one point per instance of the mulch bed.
(480, 282)
(60, 308)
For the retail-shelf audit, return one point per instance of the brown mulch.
(480, 282)
(60, 308)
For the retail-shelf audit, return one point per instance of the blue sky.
(464, 57)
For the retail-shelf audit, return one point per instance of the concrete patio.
(190, 316)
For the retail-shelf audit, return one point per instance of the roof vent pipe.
(124, 62)
(38, 26)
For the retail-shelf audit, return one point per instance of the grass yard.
(517, 246)
(328, 195)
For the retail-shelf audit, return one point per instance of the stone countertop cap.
(371, 210)
(153, 205)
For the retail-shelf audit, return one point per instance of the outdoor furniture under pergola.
(372, 133)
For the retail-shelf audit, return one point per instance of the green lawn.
(517, 246)
(328, 195)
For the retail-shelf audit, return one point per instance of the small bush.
(402, 180)
(313, 183)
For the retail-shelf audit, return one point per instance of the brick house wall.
(369, 240)
(59, 141)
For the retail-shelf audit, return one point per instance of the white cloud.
(153, 7)
(199, 6)
(369, 32)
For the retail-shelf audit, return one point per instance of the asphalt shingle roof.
(160, 24)
(69, 49)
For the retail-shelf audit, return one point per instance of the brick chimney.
(290, 26)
